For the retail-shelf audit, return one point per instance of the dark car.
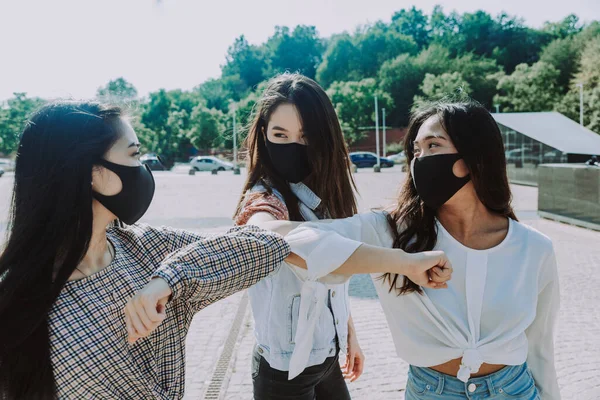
(363, 159)
(1, 172)
(154, 162)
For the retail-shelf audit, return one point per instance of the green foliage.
(339, 61)
(414, 24)
(13, 117)
(355, 107)
(205, 127)
(529, 88)
(117, 91)
(299, 50)
(436, 87)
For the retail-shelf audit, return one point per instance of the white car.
(399, 158)
(210, 163)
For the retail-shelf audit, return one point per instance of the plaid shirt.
(89, 351)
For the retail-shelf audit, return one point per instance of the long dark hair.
(331, 179)
(50, 232)
(477, 138)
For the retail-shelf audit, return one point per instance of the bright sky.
(68, 48)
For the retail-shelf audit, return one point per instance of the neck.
(99, 253)
(465, 215)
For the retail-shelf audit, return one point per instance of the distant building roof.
(553, 129)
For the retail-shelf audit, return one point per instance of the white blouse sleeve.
(325, 246)
(540, 334)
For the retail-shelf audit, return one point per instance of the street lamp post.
(384, 138)
(497, 108)
(377, 167)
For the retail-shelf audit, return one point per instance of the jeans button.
(260, 350)
(333, 294)
(337, 321)
(472, 387)
(428, 387)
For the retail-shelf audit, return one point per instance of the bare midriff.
(451, 368)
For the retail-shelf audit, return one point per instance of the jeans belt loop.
(440, 386)
(490, 385)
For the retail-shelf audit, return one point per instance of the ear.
(460, 169)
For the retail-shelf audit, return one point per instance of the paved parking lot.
(206, 203)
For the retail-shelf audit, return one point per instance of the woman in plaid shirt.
(67, 273)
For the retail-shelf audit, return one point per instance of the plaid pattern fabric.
(89, 351)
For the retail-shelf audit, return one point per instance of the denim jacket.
(288, 296)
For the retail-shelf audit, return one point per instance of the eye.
(433, 144)
(280, 135)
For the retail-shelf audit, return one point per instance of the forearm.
(222, 265)
(368, 259)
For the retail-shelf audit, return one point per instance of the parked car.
(210, 163)
(399, 158)
(364, 159)
(153, 161)
(1, 172)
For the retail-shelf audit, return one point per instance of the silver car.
(210, 163)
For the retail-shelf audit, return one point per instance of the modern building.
(531, 139)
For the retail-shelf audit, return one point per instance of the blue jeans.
(511, 382)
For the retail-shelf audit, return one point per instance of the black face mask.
(434, 179)
(290, 160)
(130, 204)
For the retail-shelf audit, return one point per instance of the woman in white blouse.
(490, 334)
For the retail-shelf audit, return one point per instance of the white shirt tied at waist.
(500, 306)
(470, 364)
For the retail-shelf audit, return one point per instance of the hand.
(146, 310)
(355, 359)
(430, 269)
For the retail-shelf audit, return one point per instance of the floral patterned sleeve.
(256, 202)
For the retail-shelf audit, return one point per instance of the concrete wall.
(571, 191)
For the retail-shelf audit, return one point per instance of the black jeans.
(321, 382)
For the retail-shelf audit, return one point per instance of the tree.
(13, 118)
(529, 88)
(215, 94)
(166, 121)
(589, 66)
(481, 74)
(413, 23)
(401, 78)
(569, 26)
(339, 61)
(563, 54)
(206, 127)
(589, 75)
(354, 105)
(246, 63)
(436, 87)
(297, 51)
(117, 91)
(378, 43)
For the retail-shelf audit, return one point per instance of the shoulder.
(261, 198)
(535, 240)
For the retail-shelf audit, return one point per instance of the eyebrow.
(278, 128)
(134, 144)
(430, 137)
